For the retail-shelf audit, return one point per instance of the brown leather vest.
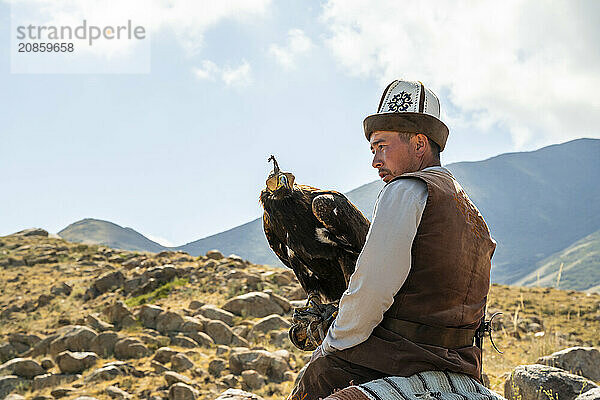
(449, 277)
(447, 286)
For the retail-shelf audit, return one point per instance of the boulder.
(195, 304)
(22, 367)
(8, 384)
(584, 361)
(127, 348)
(220, 332)
(539, 382)
(279, 338)
(593, 394)
(237, 394)
(281, 301)
(104, 344)
(183, 341)
(270, 323)
(112, 370)
(242, 330)
(7, 351)
(297, 293)
(216, 366)
(230, 380)
(201, 338)
(44, 300)
(117, 393)
(119, 314)
(193, 324)
(237, 341)
(106, 373)
(47, 363)
(162, 274)
(61, 289)
(222, 350)
(214, 255)
(131, 285)
(43, 346)
(215, 313)
(51, 380)
(181, 391)
(253, 304)
(75, 362)
(147, 315)
(282, 279)
(173, 377)
(158, 367)
(72, 337)
(266, 363)
(94, 322)
(164, 354)
(168, 321)
(180, 362)
(253, 380)
(105, 283)
(23, 339)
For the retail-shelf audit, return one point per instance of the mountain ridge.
(536, 203)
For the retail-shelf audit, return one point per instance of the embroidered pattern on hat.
(400, 102)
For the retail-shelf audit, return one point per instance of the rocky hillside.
(86, 320)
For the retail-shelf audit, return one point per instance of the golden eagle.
(317, 233)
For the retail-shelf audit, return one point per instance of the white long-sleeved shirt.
(383, 264)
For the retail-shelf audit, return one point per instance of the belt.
(449, 338)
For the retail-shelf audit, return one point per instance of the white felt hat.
(407, 106)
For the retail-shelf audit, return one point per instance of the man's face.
(392, 155)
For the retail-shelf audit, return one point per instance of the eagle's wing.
(276, 244)
(345, 223)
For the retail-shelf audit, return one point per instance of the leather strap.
(449, 338)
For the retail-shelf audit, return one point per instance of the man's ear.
(420, 144)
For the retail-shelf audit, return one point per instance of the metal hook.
(488, 329)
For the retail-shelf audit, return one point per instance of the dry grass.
(567, 317)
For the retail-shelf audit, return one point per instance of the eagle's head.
(279, 184)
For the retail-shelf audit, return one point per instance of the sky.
(170, 135)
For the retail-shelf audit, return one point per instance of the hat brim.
(412, 122)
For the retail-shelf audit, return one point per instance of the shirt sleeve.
(382, 266)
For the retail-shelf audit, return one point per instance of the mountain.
(247, 239)
(578, 266)
(95, 231)
(536, 204)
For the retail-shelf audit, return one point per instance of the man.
(421, 281)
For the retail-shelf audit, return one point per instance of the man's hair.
(435, 148)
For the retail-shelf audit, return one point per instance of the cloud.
(529, 68)
(208, 70)
(298, 43)
(231, 76)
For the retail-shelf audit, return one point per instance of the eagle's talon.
(313, 300)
